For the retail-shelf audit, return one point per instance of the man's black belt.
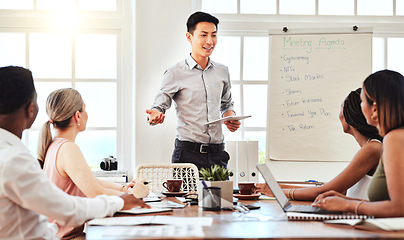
(200, 147)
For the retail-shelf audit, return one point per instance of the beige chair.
(159, 173)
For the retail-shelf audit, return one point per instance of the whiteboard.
(310, 76)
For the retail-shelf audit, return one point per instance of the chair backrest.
(159, 173)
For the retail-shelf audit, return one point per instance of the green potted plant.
(217, 176)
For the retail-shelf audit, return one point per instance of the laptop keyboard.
(304, 208)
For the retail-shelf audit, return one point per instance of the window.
(63, 51)
(249, 85)
(258, 6)
(332, 7)
(243, 44)
(223, 6)
(375, 7)
(399, 7)
(395, 52)
(300, 7)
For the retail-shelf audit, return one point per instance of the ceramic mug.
(246, 188)
(173, 185)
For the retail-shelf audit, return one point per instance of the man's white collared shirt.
(28, 197)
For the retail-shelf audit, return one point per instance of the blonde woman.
(62, 159)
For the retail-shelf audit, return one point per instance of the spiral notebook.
(300, 212)
(321, 217)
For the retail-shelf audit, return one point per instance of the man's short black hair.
(198, 17)
(16, 88)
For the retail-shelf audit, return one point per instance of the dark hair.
(353, 116)
(386, 88)
(16, 88)
(198, 17)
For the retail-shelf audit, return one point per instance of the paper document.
(138, 210)
(142, 220)
(152, 197)
(225, 119)
(167, 204)
(387, 224)
(121, 221)
(170, 220)
(160, 232)
(265, 197)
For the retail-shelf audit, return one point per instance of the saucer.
(174, 194)
(247, 197)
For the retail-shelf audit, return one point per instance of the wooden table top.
(234, 225)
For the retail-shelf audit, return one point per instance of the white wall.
(160, 43)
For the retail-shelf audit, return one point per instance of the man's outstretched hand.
(155, 116)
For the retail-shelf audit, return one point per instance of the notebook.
(315, 213)
(138, 210)
(386, 224)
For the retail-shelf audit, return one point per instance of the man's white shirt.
(28, 197)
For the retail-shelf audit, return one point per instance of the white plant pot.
(226, 192)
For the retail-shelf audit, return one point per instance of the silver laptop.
(281, 197)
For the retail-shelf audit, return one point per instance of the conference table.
(267, 222)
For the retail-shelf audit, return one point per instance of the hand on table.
(263, 189)
(131, 201)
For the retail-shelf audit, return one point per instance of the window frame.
(119, 23)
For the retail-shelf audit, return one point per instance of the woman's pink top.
(64, 183)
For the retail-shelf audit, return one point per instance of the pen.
(239, 209)
(204, 183)
(246, 209)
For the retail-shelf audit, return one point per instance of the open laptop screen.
(273, 185)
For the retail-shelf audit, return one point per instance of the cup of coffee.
(173, 185)
(246, 188)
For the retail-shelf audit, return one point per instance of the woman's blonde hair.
(61, 105)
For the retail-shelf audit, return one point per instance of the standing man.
(27, 196)
(201, 91)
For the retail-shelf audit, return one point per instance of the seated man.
(27, 196)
